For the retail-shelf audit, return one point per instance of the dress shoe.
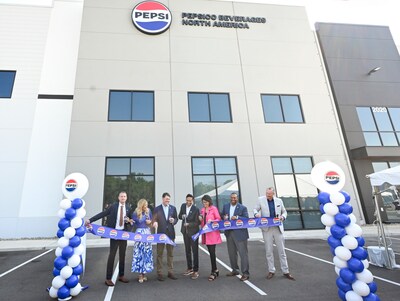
(230, 274)
(270, 275)
(108, 282)
(123, 279)
(289, 276)
(172, 276)
(244, 277)
(160, 277)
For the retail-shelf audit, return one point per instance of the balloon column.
(355, 281)
(71, 233)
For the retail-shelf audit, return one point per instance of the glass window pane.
(141, 187)
(143, 106)
(302, 165)
(281, 165)
(120, 105)
(203, 166)
(6, 83)
(225, 165)
(142, 166)
(226, 185)
(198, 107)
(366, 119)
(219, 107)
(312, 220)
(286, 190)
(388, 139)
(395, 116)
(203, 185)
(379, 166)
(293, 221)
(394, 164)
(382, 120)
(291, 108)
(372, 139)
(272, 108)
(113, 185)
(307, 192)
(117, 166)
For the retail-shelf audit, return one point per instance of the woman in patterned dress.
(142, 262)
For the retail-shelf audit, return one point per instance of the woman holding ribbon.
(142, 262)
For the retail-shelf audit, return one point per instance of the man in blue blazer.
(164, 219)
(116, 214)
(237, 239)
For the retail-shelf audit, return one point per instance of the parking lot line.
(110, 289)
(257, 289)
(26, 262)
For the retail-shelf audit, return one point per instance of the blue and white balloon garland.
(355, 281)
(71, 231)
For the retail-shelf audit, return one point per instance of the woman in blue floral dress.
(142, 251)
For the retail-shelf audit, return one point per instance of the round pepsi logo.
(71, 185)
(151, 17)
(332, 177)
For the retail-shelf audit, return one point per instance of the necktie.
(121, 216)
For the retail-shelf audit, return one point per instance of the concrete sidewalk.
(92, 241)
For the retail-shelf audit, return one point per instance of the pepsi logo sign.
(239, 223)
(150, 238)
(137, 237)
(71, 185)
(251, 222)
(227, 224)
(113, 233)
(215, 225)
(101, 231)
(332, 177)
(264, 221)
(163, 237)
(125, 235)
(276, 220)
(151, 17)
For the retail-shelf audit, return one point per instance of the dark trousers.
(234, 247)
(191, 247)
(213, 257)
(114, 245)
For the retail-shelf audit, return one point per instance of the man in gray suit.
(271, 206)
(237, 239)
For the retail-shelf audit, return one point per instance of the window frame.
(209, 107)
(281, 108)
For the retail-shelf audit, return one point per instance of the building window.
(294, 186)
(209, 107)
(134, 175)
(215, 176)
(6, 83)
(380, 125)
(379, 166)
(131, 106)
(282, 108)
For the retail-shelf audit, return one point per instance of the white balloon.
(337, 271)
(365, 263)
(361, 288)
(74, 260)
(76, 290)
(65, 204)
(58, 282)
(349, 242)
(352, 218)
(75, 185)
(58, 251)
(83, 203)
(328, 177)
(81, 212)
(327, 220)
(66, 272)
(69, 232)
(331, 209)
(365, 276)
(53, 292)
(354, 230)
(63, 242)
(328, 230)
(343, 253)
(339, 262)
(76, 222)
(353, 296)
(337, 198)
(61, 213)
(79, 249)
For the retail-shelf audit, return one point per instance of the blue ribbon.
(241, 223)
(124, 235)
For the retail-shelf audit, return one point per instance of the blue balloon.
(67, 252)
(63, 292)
(76, 203)
(345, 208)
(361, 241)
(56, 272)
(64, 224)
(355, 265)
(323, 197)
(60, 262)
(60, 233)
(345, 287)
(347, 275)
(81, 231)
(359, 253)
(371, 297)
(77, 270)
(321, 208)
(346, 196)
(332, 251)
(342, 295)
(333, 242)
(342, 220)
(372, 287)
(70, 213)
(338, 232)
(75, 241)
(72, 281)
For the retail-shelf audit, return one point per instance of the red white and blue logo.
(71, 185)
(215, 225)
(239, 223)
(332, 177)
(137, 237)
(227, 224)
(113, 233)
(150, 238)
(163, 237)
(125, 235)
(251, 222)
(101, 231)
(151, 17)
(264, 221)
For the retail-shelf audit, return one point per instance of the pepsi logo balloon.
(328, 177)
(151, 17)
(74, 186)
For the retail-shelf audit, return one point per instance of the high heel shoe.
(216, 272)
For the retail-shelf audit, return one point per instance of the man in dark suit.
(115, 214)
(237, 239)
(189, 214)
(164, 219)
